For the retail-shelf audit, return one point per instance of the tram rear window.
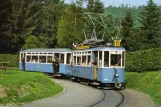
(115, 60)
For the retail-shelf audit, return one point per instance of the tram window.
(49, 59)
(20, 60)
(42, 59)
(28, 59)
(34, 58)
(74, 60)
(123, 59)
(100, 59)
(115, 60)
(68, 58)
(84, 61)
(106, 59)
(61, 58)
(89, 60)
(78, 60)
(56, 55)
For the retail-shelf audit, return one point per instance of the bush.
(145, 60)
(11, 58)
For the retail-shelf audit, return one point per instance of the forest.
(28, 24)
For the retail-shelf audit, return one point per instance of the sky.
(125, 2)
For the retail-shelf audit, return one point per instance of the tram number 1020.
(116, 42)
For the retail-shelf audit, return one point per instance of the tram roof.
(47, 50)
(69, 50)
(103, 48)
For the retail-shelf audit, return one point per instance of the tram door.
(95, 65)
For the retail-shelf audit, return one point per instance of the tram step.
(95, 83)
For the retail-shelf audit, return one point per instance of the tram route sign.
(116, 42)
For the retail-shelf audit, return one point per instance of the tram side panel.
(20, 66)
(48, 68)
(39, 67)
(106, 75)
(65, 69)
(82, 72)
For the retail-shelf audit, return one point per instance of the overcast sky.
(125, 2)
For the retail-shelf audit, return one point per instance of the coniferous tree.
(23, 22)
(150, 20)
(127, 31)
(5, 11)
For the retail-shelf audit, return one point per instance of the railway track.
(107, 101)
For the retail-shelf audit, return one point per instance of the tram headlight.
(116, 75)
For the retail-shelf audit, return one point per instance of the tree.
(70, 28)
(150, 20)
(51, 12)
(23, 21)
(127, 30)
(94, 8)
(5, 11)
(32, 42)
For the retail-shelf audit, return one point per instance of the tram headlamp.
(116, 74)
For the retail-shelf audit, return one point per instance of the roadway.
(80, 95)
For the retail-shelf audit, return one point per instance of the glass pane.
(115, 60)
(74, 60)
(56, 55)
(123, 59)
(100, 59)
(84, 62)
(49, 59)
(28, 59)
(78, 60)
(21, 57)
(89, 60)
(42, 59)
(34, 59)
(62, 58)
(68, 58)
(106, 59)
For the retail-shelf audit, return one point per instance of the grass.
(26, 86)
(147, 82)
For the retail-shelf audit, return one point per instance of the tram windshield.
(115, 59)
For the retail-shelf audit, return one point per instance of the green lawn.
(148, 82)
(26, 86)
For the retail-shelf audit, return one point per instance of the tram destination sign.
(83, 47)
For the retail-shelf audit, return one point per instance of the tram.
(40, 60)
(108, 69)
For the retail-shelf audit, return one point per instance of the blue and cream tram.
(41, 60)
(108, 69)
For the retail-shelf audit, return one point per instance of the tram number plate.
(116, 42)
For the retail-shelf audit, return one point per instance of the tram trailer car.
(40, 60)
(109, 69)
